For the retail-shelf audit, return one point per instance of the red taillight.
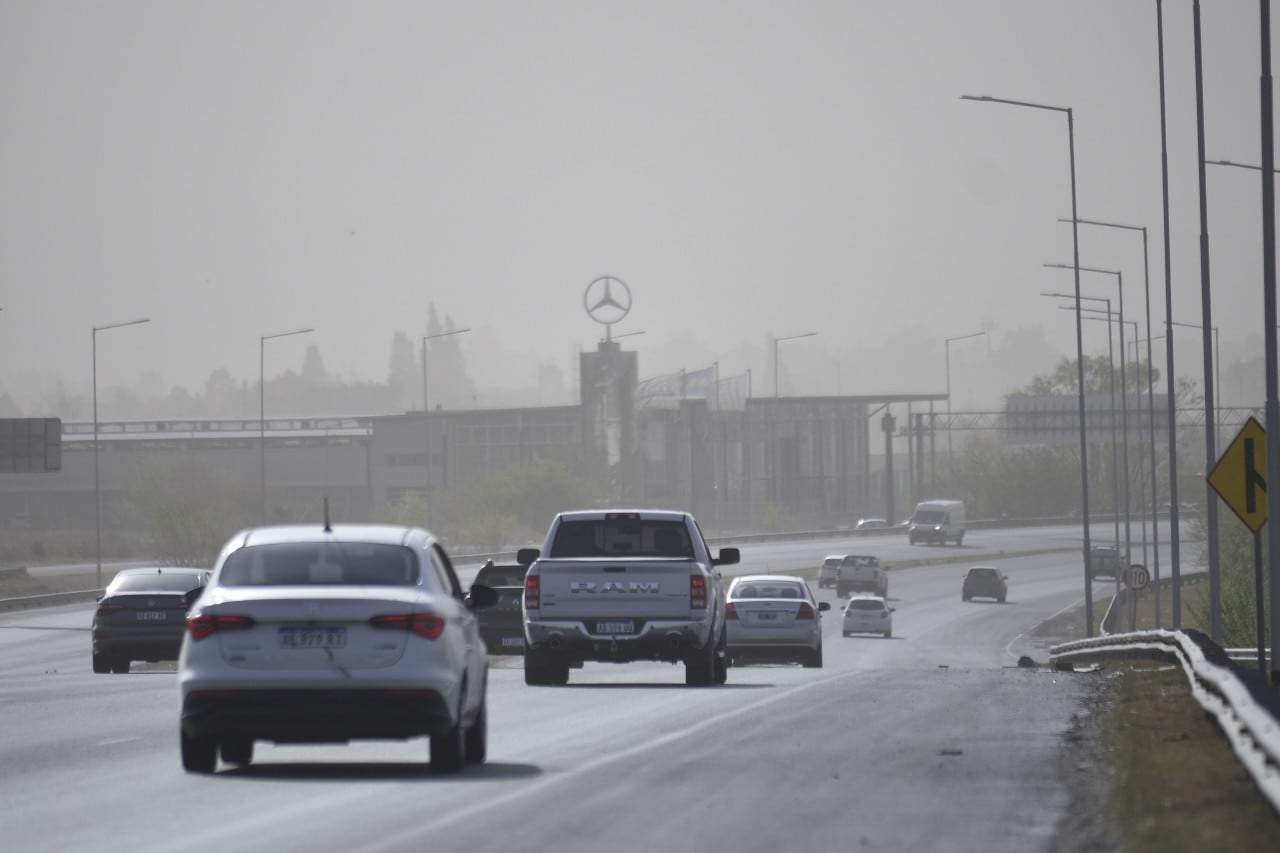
(805, 611)
(884, 614)
(427, 625)
(730, 612)
(532, 595)
(204, 624)
(108, 609)
(697, 592)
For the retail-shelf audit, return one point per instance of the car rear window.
(862, 562)
(866, 604)
(156, 582)
(768, 590)
(982, 573)
(610, 537)
(321, 564)
(501, 576)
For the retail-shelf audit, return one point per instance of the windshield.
(157, 582)
(321, 564)
(928, 516)
(611, 537)
(757, 589)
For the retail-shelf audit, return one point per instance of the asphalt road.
(932, 740)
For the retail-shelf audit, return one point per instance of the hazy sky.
(235, 169)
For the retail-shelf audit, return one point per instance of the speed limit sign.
(1136, 577)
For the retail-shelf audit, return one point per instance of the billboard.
(30, 445)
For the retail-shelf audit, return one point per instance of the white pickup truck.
(620, 586)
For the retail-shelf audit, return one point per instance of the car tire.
(964, 597)
(700, 666)
(120, 665)
(1000, 599)
(449, 749)
(888, 634)
(477, 745)
(814, 660)
(721, 669)
(101, 664)
(959, 540)
(199, 753)
(543, 669)
(237, 750)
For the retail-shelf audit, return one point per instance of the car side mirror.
(526, 556)
(893, 610)
(823, 606)
(481, 596)
(728, 557)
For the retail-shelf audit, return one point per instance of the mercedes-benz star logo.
(607, 300)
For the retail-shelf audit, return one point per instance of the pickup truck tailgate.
(642, 589)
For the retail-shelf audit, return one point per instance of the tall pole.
(426, 419)
(262, 411)
(1206, 308)
(1269, 310)
(97, 488)
(777, 341)
(1075, 249)
(1151, 411)
(951, 462)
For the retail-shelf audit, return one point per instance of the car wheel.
(699, 667)
(542, 669)
(101, 664)
(449, 749)
(814, 660)
(237, 750)
(120, 665)
(721, 670)
(888, 634)
(199, 753)
(1000, 599)
(477, 746)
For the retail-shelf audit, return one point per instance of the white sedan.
(867, 614)
(310, 634)
(773, 618)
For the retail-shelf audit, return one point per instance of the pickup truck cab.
(861, 573)
(624, 585)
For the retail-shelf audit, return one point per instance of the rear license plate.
(151, 615)
(627, 626)
(766, 617)
(313, 637)
(513, 641)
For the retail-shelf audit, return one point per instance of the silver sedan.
(773, 618)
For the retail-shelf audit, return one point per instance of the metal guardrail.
(1251, 729)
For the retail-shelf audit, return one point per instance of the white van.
(937, 522)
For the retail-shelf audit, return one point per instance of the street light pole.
(951, 462)
(262, 410)
(426, 429)
(1075, 248)
(1124, 415)
(97, 493)
(777, 341)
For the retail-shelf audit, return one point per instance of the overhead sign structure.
(1240, 475)
(30, 445)
(1136, 577)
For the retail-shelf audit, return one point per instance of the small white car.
(773, 618)
(828, 570)
(311, 634)
(867, 614)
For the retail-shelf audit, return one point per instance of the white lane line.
(118, 741)
(406, 839)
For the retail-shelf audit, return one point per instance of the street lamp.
(426, 430)
(1075, 250)
(97, 494)
(777, 341)
(1124, 415)
(1217, 372)
(1151, 418)
(951, 464)
(262, 409)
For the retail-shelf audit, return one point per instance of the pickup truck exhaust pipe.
(674, 641)
(555, 642)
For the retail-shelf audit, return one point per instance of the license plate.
(622, 627)
(151, 615)
(513, 641)
(766, 617)
(313, 637)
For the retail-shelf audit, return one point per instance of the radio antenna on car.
(327, 527)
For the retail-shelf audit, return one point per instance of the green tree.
(1237, 583)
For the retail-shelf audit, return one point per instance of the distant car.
(871, 524)
(142, 615)
(502, 626)
(861, 573)
(984, 582)
(828, 570)
(867, 614)
(311, 634)
(773, 618)
(1104, 561)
